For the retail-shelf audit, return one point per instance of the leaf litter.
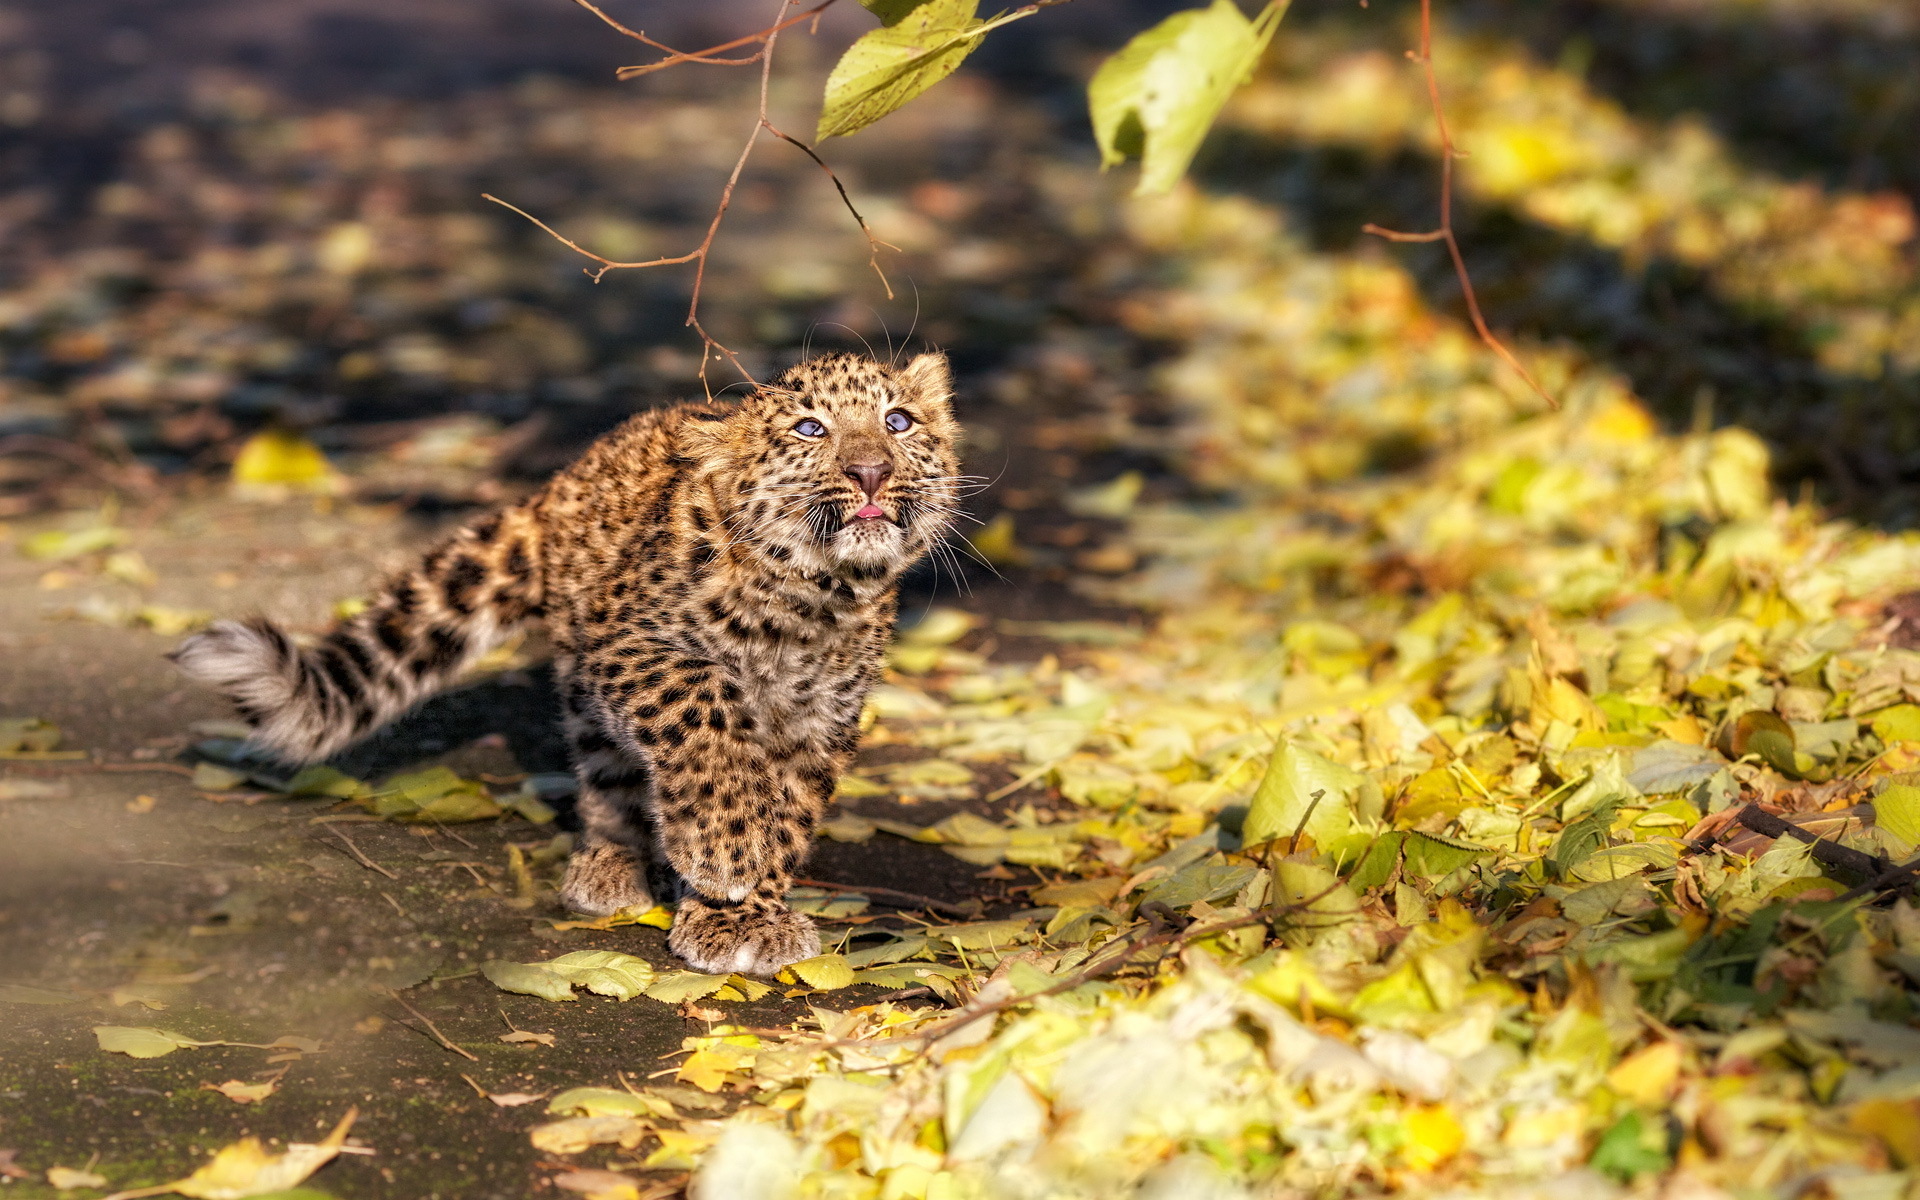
(1418, 843)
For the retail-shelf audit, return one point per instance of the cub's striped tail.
(427, 624)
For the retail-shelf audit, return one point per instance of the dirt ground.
(134, 899)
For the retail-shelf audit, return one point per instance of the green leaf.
(985, 935)
(891, 951)
(685, 985)
(1198, 881)
(1160, 94)
(1763, 734)
(890, 11)
(606, 1102)
(1897, 810)
(1631, 1148)
(1377, 867)
(1582, 838)
(893, 64)
(1286, 795)
(324, 781)
(604, 972)
(528, 979)
(140, 1042)
(1430, 857)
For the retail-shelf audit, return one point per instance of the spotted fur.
(719, 612)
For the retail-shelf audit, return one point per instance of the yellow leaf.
(59, 545)
(679, 1150)
(939, 627)
(245, 1169)
(1433, 1137)
(1895, 1122)
(707, 1069)
(1647, 1075)
(1546, 1127)
(274, 462)
(996, 543)
(827, 972)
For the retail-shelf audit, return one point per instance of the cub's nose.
(870, 476)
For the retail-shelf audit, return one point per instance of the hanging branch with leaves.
(1154, 100)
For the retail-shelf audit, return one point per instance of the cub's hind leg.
(616, 864)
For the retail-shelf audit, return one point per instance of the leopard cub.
(719, 583)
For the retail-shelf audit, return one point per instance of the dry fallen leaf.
(600, 1185)
(245, 1169)
(523, 1037)
(244, 1093)
(66, 1178)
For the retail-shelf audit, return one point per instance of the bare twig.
(927, 902)
(1124, 949)
(873, 243)
(766, 36)
(699, 255)
(132, 477)
(1424, 56)
(366, 862)
(431, 1027)
(1857, 863)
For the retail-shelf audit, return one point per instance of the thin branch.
(700, 255)
(366, 862)
(1445, 233)
(607, 264)
(766, 35)
(873, 243)
(462, 1051)
(1857, 863)
(927, 902)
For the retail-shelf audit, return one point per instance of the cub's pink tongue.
(871, 510)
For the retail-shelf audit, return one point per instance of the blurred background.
(217, 218)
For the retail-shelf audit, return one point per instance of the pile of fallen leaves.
(1524, 819)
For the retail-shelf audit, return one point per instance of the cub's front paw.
(603, 879)
(753, 936)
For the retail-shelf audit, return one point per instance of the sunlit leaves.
(602, 972)
(825, 972)
(435, 795)
(528, 979)
(246, 1169)
(1302, 792)
(1159, 95)
(921, 45)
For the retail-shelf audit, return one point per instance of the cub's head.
(842, 464)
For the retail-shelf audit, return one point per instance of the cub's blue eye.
(899, 421)
(810, 428)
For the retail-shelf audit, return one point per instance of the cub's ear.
(927, 379)
(705, 434)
